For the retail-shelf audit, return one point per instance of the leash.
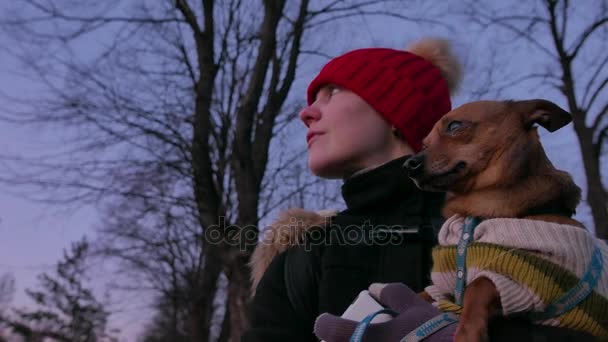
(442, 320)
(466, 236)
(430, 327)
(578, 293)
(357, 335)
(425, 330)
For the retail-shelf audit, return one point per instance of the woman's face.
(346, 135)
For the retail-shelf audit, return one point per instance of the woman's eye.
(334, 90)
(327, 92)
(453, 126)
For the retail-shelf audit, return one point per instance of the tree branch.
(597, 147)
(586, 34)
(558, 39)
(599, 117)
(278, 94)
(564, 26)
(189, 16)
(523, 34)
(596, 73)
(243, 165)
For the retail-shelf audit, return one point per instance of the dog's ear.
(545, 113)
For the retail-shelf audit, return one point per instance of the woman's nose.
(309, 114)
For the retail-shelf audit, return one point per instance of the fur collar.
(287, 231)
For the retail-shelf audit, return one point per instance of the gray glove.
(412, 314)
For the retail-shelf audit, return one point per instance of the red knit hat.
(411, 90)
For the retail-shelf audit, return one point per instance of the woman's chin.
(325, 169)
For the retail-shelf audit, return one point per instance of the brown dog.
(488, 157)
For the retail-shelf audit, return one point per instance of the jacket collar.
(380, 190)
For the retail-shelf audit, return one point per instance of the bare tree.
(167, 324)
(168, 124)
(571, 39)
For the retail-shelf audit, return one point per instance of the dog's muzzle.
(415, 165)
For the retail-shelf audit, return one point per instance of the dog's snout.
(414, 165)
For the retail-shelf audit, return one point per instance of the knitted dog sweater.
(532, 264)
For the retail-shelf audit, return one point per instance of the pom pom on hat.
(410, 89)
(439, 53)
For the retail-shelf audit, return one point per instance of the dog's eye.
(453, 126)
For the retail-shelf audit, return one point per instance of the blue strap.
(430, 327)
(576, 294)
(425, 330)
(357, 335)
(466, 237)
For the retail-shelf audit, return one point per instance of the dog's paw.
(471, 333)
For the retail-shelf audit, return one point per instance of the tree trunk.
(596, 196)
(238, 296)
(225, 329)
(202, 310)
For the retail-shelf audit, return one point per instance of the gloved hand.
(412, 312)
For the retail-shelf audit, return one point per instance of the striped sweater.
(531, 263)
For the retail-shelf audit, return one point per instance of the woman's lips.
(311, 136)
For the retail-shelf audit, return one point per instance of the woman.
(368, 110)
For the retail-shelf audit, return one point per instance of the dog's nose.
(414, 165)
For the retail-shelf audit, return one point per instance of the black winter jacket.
(385, 235)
